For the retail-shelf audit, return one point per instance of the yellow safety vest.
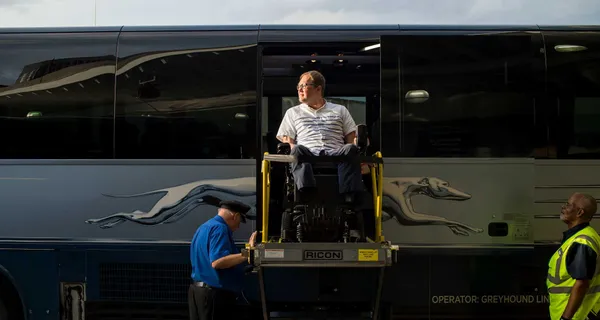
(559, 282)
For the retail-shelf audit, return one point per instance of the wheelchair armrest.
(362, 136)
(283, 148)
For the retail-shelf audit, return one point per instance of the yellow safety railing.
(266, 192)
(377, 181)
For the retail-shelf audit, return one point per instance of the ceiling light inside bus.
(375, 46)
(340, 62)
(416, 96)
(241, 116)
(569, 48)
(34, 114)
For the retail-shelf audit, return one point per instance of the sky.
(45, 13)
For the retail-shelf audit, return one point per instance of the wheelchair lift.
(274, 253)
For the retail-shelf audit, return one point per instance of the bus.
(117, 142)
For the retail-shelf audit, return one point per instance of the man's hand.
(576, 298)
(289, 141)
(365, 168)
(252, 239)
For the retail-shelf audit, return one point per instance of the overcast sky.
(23, 13)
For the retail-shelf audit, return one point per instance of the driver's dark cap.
(236, 207)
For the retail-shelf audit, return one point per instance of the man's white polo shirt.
(320, 129)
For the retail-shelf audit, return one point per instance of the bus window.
(56, 95)
(186, 95)
(461, 96)
(574, 91)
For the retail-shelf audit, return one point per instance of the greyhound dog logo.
(180, 200)
(397, 202)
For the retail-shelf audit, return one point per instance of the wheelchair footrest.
(320, 254)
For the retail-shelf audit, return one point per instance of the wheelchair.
(324, 215)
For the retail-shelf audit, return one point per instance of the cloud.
(191, 12)
(40, 13)
(574, 12)
(5, 3)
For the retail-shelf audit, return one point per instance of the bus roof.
(304, 27)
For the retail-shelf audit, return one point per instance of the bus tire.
(10, 303)
(3, 311)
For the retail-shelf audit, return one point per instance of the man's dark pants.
(207, 303)
(350, 178)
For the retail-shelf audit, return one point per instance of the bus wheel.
(3, 311)
(10, 304)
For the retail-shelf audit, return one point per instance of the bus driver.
(319, 127)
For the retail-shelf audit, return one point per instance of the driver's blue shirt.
(214, 240)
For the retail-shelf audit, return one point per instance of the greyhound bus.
(118, 141)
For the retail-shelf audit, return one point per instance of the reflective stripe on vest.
(560, 283)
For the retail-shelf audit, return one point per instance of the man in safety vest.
(573, 282)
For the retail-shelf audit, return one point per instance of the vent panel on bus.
(144, 281)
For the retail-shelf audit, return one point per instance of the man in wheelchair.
(317, 127)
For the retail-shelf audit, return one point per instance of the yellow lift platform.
(376, 253)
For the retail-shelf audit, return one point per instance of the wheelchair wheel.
(287, 230)
(360, 226)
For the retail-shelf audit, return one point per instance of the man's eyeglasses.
(304, 85)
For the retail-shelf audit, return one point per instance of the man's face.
(235, 221)
(570, 211)
(238, 221)
(306, 90)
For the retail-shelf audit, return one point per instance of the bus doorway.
(352, 79)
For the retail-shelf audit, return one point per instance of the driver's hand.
(252, 239)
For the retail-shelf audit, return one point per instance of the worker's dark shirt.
(214, 240)
(581, 259)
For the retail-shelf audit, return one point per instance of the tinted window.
(186, 95)
(574, 91)
(56, 95)
(482, 95)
